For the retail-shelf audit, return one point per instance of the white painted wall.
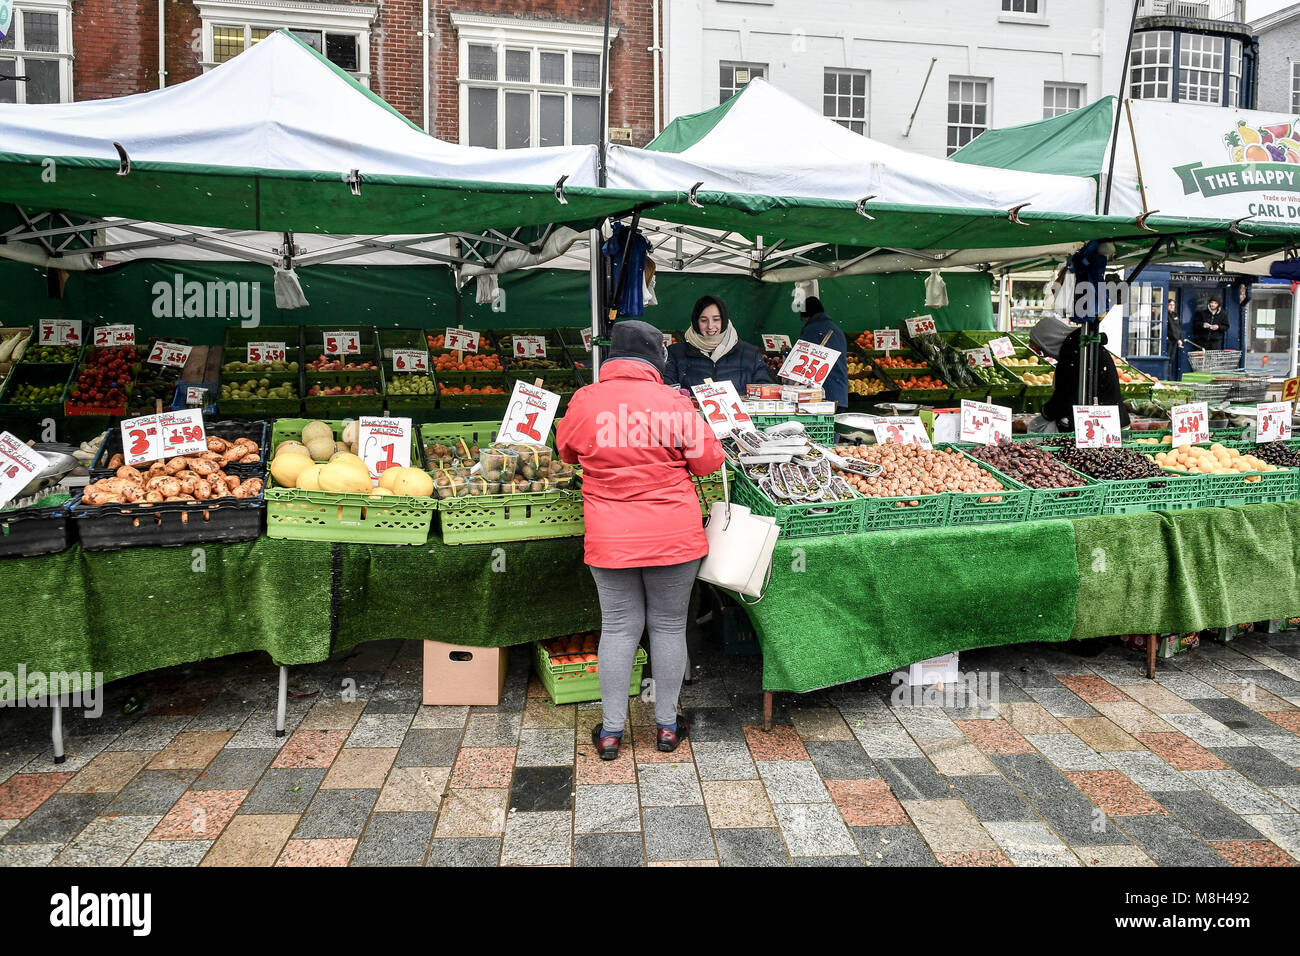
(1279, 50)
(1073, 41)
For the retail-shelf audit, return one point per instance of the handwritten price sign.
(196, 395)
(1191, 423)
(921, 325)
(18, 466)
(530, 346)
(979, 357)
(385, 443)
(887, 340)
(263, 353)
(668, 339)
(166, 353)
(720, 405)
(983, 423)
(1274, 423)
(586, 339)
(1097, 426)
(59, 332)
(775, 343)
(1002, 348)
(410, 360)
(529, 415)
(342, 343)
(461, 340)
(901, 431)
(1291, 390)
(808, 364)
(151, 437)
(111, 336)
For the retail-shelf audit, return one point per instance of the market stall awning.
(279, 138)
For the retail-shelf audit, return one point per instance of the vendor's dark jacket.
(1060, 407)
(1209, 338)
(836, 385)
(688, 366)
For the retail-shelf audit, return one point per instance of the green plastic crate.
(1175, 493)
(801, 521)
(488, 519)
(337, 516)
(447, 433)
(238, 337)
(343, 406)
(966, 507)
(1219, 491)
(820, 428)
(880, 514)
(41, 375)
(1081, 501)
(572, 684)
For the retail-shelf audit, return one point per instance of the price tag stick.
(460, 356)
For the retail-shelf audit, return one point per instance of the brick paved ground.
(1075, 761)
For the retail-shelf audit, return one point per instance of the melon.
(343, 477)
(288, 466)
(412, 482)
(291, 445)
(317, 431)
(309, 478)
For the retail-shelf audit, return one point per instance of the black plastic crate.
(258, 431)
(167, 524)
(28, 532)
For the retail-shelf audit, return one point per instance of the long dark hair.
(702, 303)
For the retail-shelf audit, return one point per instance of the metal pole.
(1114, 133)
(597, 286)
(1295, 326)
(282, 701)
(604, 95)
(56, 731)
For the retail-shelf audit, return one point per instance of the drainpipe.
(656, 51)
(425, 82)
(162, 43)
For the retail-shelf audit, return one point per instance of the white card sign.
(1274, 422)
(342, 343)
(979, 357)
(983, 423)
(59, 332)
(410, 360)
(111, 336)
(1002, 348)
(384, 443)
(586, 339)
(263, 353)
(530, 346)
(460, 340)
(921, 325)
(808, 364)
(195, 395)
(170, 354)
(18, 466)
(720, 405)
(901, 431)
(1097, 426)
(529, 415)
(165, 435)
(775, 343)
(1190, 423)
(887, 340)
(668, 339)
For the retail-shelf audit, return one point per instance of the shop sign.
(979, 358)
(460, 340)
(342, 343)
(170, 354)
(921, 325)
(59, 332)
(164, 435)
(530, 346)
(887, 340)
(111, 336)
(18, 466)
(1002, 348)
(808, 364)
(264, 353)
(410, 360)
(775, 343)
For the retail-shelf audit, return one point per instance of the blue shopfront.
(1164, 299)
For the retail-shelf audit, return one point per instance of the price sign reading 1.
(59, 332)
(18, 466)
(166, 353)
(720, 404)
(887, 340)
(460, 340)
(808, 364)
(263, 353)
(1002, 348)
(775, 343)
(983, 423)
(530, 346)
(529, 415)
(901, 431)
(410, 360)
(182, 433)
(921, 325)
(385, 443)
(1190, 423)
(111, 336)
(1274, 422)
(342, 343)
(980, 357)
(586, 339)
(1097, 426)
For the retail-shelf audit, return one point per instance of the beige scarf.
(714, 346)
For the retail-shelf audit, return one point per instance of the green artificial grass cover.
(845, 607)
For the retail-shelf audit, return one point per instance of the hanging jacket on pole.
(631, 300)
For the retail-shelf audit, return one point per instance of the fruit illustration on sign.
(1272, 143)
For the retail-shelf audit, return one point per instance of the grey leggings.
(632, 599)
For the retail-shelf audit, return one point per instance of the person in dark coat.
(1209, 326)
(713, 350)
(1060, 407)
(816, 323)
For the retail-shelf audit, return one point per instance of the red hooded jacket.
(638, 442)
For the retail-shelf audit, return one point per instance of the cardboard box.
(457, 675)
(816, 408)
(801, 393)
(769, 392)
(766, 407)
(935, 670)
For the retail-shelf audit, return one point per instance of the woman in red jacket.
(638, 442)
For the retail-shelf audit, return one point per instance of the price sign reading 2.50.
(808, 364)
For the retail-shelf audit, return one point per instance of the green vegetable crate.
(800, 521)
(928, 511)
(343, 516)
(55, 377)
(573, 683)
(1218, 491)
(489, 519)
(1175, 493)
(977, 507)
(1080, 501)
(820, 428)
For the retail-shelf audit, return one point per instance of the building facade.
(1193, 51)
(1279, 60)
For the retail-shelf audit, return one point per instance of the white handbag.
(740, 547)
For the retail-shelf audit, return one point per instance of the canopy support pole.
(1295, 326)
(597, 286)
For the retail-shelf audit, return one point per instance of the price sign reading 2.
(808, 363)
(720, 404)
